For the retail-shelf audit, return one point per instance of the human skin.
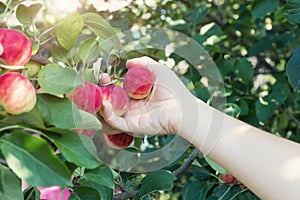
(267, 164)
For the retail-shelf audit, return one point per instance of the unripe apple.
(16, 46)
(118, 98)
(17, 94)
(138, 82)
(87, 98)
(33, 68)
(105, 79)
(118, 141)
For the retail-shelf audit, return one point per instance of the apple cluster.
(17, 94)
(137, 84)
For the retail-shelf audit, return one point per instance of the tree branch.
(40, 59)
(187, 163)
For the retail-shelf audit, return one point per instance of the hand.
(162, 111)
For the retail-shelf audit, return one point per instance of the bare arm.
(267, 164)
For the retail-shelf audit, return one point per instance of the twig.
(40, 59)
(187, 163)
(125, 195)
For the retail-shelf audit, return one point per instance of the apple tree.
(56, 68)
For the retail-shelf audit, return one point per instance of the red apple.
(228, 178)
(17, 94)
(138, 82)
(87, 98)
(117, 96)
(118, 141)
(16, 46)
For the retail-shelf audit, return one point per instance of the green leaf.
(32, 193)
(105, 192)
(59, 53)
(32, 159)
(32, 119)
(84, 193)
(291, 10)
(59, 112)
(69, 29)
(293, 69)
(215, 165)
(197, 15)
(101, 175)
(26, 14)
(196, 190)
(101, 28)
(11, 185)
(231, 109)
(87, 121)
(264, 109)
(262, 8)
(75, 148)
(127, 160)
(157, 180)
(244, 70)
(56, 80)
(89, 50)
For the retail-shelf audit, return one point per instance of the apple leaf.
(262, 8)
(26, 15)
(87, 121)
(56, 80)
(215, 165)
(32, 159)
(291, 10)
(75, 148)
(59, 112)
(11, 185)
(89, 50)
(83, 193)
(293, 69)
(32, 118)
(157, 180)
(101, 175)
(69, 29)
(101, 28)
(196, 190)
(59, 53)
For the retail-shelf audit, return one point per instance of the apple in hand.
(118, 141)
(117, 96)
(138, 82)
(17, 94)
(87, 98)
(16, 47)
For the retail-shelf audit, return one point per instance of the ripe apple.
(228, 178)
(138, 82)
(118, 141)
(87, 98)
(17, 94)
(117, 96)
(54, 193)
(16, 46)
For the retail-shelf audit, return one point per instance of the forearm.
(267, 164)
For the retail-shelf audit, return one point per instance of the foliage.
(255, 45)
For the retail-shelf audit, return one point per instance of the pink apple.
(118, 141)
(54, 193)
(105, 79)
(138, 82)
(87, 98)
(17, 94)
(117, 96)
(16, 46)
